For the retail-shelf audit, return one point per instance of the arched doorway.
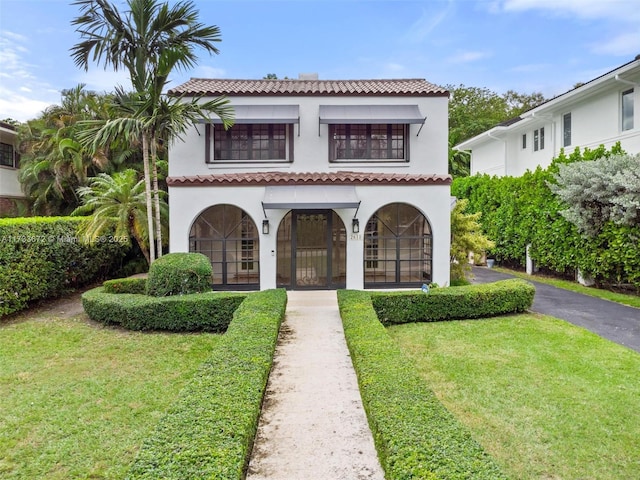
(311, 250)
(398, 248)
(229, 238)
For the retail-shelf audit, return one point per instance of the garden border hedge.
(44, 257)
(209, 430)
(210, 311)
(415, 435)
(465, 302)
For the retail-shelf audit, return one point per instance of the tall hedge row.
(42, 257)
(517, 211)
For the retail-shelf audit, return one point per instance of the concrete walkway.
(616, 322)
(313, 425)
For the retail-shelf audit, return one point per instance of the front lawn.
(545, 398)
(77, 399)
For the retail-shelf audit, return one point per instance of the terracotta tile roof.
(379, 87)
(287, 178)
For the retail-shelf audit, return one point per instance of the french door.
(311, 250)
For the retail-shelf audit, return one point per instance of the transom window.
(7, 157)
(250, 142)
(354, 142)
(627, 110)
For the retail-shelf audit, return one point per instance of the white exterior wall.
(187, 203)
(9, 184)
(596, 119)
(428, 151)
(489, 158)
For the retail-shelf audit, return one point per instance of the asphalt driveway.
(618, 323)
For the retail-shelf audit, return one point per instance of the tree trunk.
(156, 196)
(147, 192)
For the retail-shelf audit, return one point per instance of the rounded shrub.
(179, 274)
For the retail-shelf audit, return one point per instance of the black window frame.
(8, 156)
(370, 142)
(214, 134)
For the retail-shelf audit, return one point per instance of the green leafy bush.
(179, 274)
(43, 257)
(522, 211)
(125, 285)
(211, 311)
(415, 435)
(209, 431)
(470, 301)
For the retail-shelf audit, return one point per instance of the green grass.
(625, 299)
(77, 399)
(548, 400)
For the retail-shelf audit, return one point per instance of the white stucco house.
(599, 112)
(10, 190)
(319, 184)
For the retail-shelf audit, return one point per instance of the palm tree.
(117, 201)
(54, 164)
(149, 41)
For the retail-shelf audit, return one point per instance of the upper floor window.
(538, 139)
(524, 141)
(8, 158)
(627, 109)
(370, 142)
(566, 129)
(248, 142)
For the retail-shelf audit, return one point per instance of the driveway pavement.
(618, 323)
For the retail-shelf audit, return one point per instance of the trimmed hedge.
(209, 431)
(469, 301)
(43, 257)
(416, 437)
(179, 274)
(125, 285)
(211, 311)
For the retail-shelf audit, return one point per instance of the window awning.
(371, 114)
(264, 114)
(310, 196)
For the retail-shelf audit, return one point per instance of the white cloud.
(100, 80)
(423, 26)
(622, 44)
(468, 56)
(207, 72)
(625, 10)
(530, 68)
(21, 108)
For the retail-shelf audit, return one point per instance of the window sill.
(248, 165)
(366, 164)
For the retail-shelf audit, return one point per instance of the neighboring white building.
(10, 190)
(320, 184)
(600, 112)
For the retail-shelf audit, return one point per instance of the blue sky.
(523, 45)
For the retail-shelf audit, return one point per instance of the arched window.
(398, 247)
(227, 235)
